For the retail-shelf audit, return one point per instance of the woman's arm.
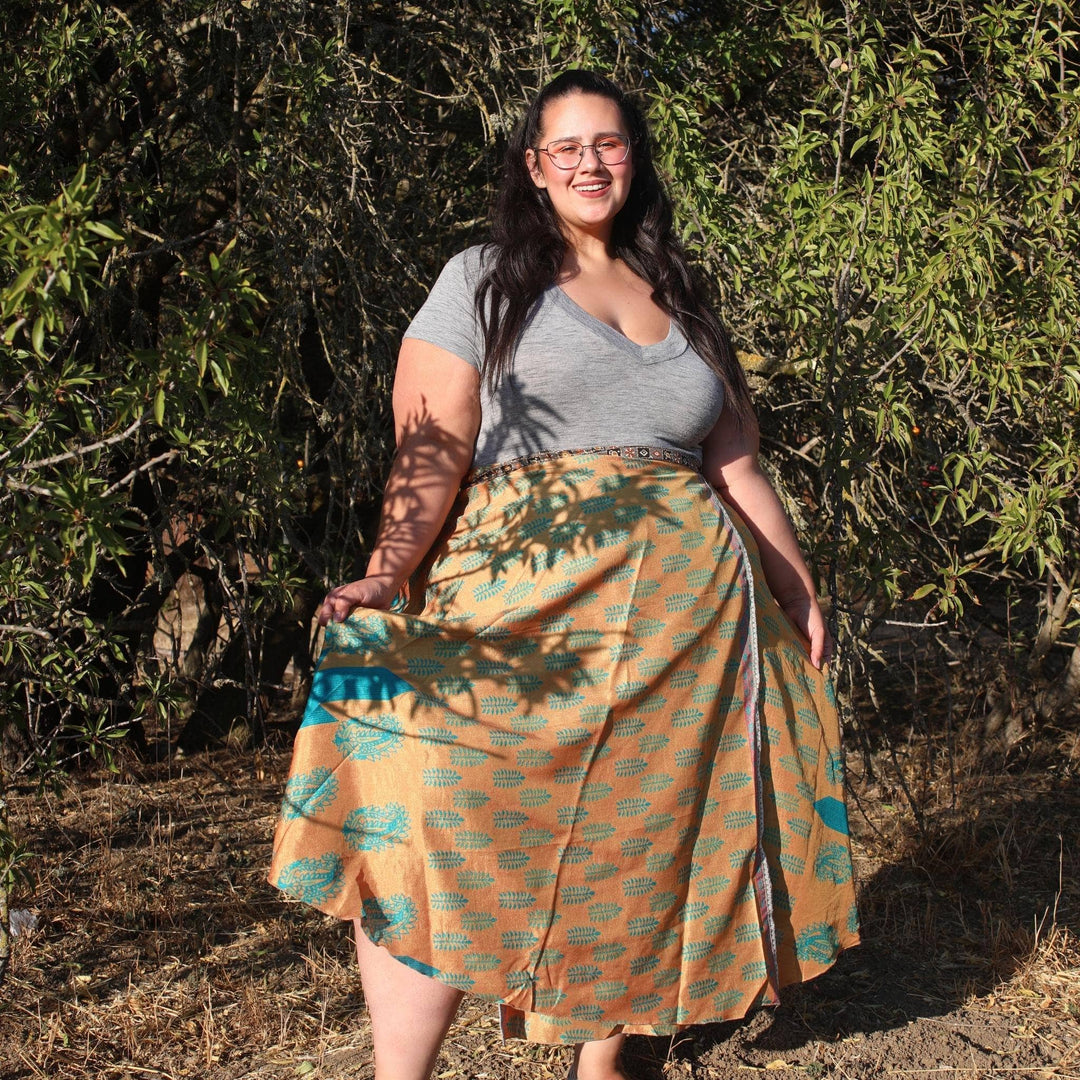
(436, 420)
(731, 466)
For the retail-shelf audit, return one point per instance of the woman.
(590, 769)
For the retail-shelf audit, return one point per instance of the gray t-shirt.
(576, 382)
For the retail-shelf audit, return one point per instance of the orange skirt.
(591, 774)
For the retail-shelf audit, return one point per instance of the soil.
(161, 952)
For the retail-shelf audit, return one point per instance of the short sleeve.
(448, 316)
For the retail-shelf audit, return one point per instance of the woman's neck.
(586, 254)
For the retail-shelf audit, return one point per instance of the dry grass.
(161, 952)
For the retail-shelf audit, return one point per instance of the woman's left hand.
(805, 612)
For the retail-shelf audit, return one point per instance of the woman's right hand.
(367, 592)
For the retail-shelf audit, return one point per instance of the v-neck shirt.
(575, 382)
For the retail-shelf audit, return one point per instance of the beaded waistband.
(636, 453)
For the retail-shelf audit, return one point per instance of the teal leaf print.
(701, 988)
(537, 878)
(477, 920)
(600, 871)
(610, 990)
(445, 860)
(443, 819)
(721, 962)
(595, 790)
(388, 918)
(572, 736)
(513, 860)
(535, 837)
(447, 941)
(369, 738)
(583, 935)
(834, 767)
(496, 705)
(375, 828)
(308, 793)
(532, 797)
(571, 815)
(464, 756)
(518, 940)
(716, 924)
(694, 910)
(604, 912)
(472, 840)
(313, 880)
(656, 782)
(638, 886)
(470, 799)
(576, 894)
(651, 743)
(632, 807)
(530, 758)
(358, 634)
(441, 777)
(726, 999)
(475, 879)
(711, 886)
(579, 974)
(733, 781)
(574, 854)
(832, 864)
(436, 736)
(697, 950)
(548, 997)
(448, 901)
(817, 942)
(481, 962)
(793, 864)
(853, 919)
(515, 900)
(642, 925)
(598, 830)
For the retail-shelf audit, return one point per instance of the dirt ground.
(160, 952)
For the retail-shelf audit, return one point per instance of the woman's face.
(586, 198)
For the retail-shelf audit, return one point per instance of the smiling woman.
(586, 193)
(585, 764)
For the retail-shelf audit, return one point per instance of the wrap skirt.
(587, 771)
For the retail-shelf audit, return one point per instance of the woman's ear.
(532, 163)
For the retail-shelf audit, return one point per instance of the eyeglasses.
(567, 154)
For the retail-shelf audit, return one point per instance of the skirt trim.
(634, 453)
(752, 680)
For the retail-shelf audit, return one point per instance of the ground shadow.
(952, 916)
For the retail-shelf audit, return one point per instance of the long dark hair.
(528, 246)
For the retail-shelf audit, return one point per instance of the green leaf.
(107, 231)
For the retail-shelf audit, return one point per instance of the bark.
(1062, 696)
